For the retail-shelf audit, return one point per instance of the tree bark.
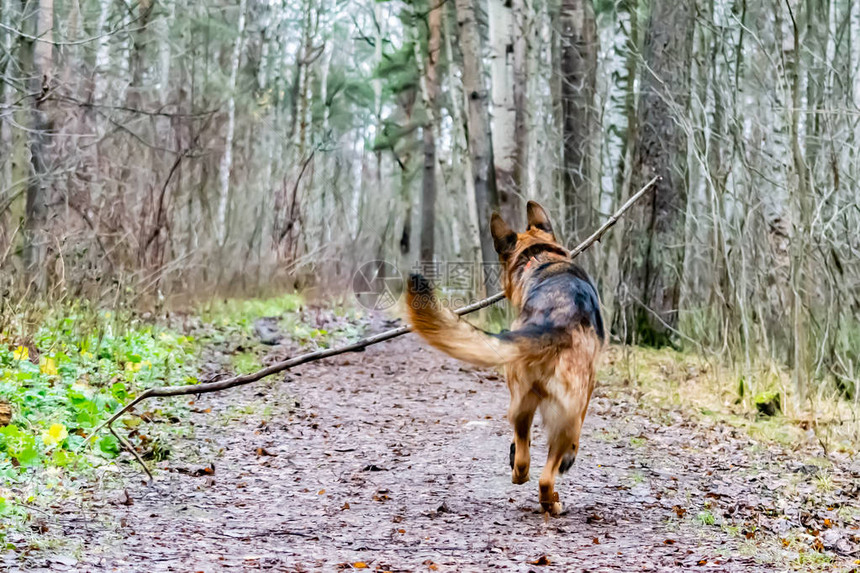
(654, 253)
(478, 126)
(430, 87)
(502, 34)
(227, 159)
(578, 76)
(463, 163)
(138, 53)
(522, 25)
(41, 24)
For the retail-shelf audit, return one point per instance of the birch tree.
(226, 164)
(504, 118)
(477, 116)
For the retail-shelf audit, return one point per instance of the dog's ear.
(538, 218)
(504, 239)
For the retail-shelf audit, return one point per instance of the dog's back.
(561, 297)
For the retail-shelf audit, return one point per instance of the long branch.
(194, 389)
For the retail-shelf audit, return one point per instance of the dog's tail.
(446, 331)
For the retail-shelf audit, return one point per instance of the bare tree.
(654, 250)
(226, 164)
(39, 84)
(578, 76)
(477, 117)
(503, 35)
(430, 87)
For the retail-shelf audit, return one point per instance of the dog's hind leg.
(521, 414)
(562, 441)
(570, 457)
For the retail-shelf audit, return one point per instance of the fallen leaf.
(542, 560)
(359, 565)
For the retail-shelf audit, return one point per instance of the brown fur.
(551, 353)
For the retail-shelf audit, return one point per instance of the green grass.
(246, 362)
(241, 313)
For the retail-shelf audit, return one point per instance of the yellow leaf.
(54, 435)
(360, 565)
(21, 353)
(49, 367)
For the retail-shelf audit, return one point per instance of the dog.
(550, 354)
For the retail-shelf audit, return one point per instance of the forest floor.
(396, 459)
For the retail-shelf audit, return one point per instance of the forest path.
(397, 458)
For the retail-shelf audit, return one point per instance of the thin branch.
(72, 43)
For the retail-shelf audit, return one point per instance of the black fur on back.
(560, 295)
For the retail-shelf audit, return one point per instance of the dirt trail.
(397, 458)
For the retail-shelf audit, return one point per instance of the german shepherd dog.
(549, 356)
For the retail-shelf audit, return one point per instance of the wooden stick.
(195, 389)
(610, 222)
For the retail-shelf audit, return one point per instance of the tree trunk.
(227, 159)
(478, 125)
(854, 54)
(522, 26)
(41, 24)
(463, 163)
(430, 87)
(578, 76)
(138, 53)
(651, 266)
(504, 118)
(6, 94)
(102, 52)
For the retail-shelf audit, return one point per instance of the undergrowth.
(709, 389)
(64, 371)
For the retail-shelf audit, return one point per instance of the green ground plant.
(66, 370)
